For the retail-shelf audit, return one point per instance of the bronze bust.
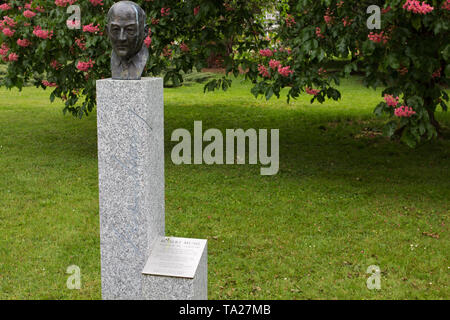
(127, 30)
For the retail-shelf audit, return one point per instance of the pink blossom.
(196, 10)
(386, 10)
(29, 14)
(390, 100)
(290, 21)
(312, 91)
(184, 47)
(5, 7)
(80, 43)
(287, 50)
(23, 43)
(274, 64)
(346, 22)
(64, 3)
(55, 64)
(29, 7)
(91, 28)
(8, 32)
(49, 84)
(96, 2)
(9, 21)
(417, 7)
(148, 41)
(263, 71)
(437, 73)
(13, 56)
(4, 50)
(85, 66)
(266, 52)
(165, 12)
(404, 111)
(319, 33)
(446, 5)
(378, 37)
(285, 71)
(43, 34)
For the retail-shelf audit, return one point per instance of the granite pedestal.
(130, 129)
(130, 125)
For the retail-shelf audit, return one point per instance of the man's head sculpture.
(127, 30)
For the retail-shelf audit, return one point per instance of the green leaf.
(446, 53)
(408, 139)
(255, 91)
(392, 61)
(415, 102)
(379, 109)
(269, 93)
(447, 71)
(368, 48)
(416, 22)
(389, 128)
(443, 105)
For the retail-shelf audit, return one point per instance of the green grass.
(345, 198)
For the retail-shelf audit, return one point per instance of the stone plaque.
(175, 257)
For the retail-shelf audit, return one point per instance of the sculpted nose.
(122, 34)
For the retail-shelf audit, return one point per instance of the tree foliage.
(183, 35)
(408, 56)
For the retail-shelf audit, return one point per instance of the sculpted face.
(125, 30)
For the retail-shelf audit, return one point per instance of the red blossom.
(23, 43)
(85, 66)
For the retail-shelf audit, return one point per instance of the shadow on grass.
(323, 144)
(328, 145)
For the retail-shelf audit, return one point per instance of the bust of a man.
(127, 30)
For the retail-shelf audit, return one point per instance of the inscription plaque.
(175, 257)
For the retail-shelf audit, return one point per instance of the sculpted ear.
(108, 29)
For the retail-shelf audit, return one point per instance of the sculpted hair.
(141, 16)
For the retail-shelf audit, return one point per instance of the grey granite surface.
(131, 180)
(173, 288)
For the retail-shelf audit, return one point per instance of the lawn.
(345, 198)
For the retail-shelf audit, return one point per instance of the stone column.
(130, 120)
